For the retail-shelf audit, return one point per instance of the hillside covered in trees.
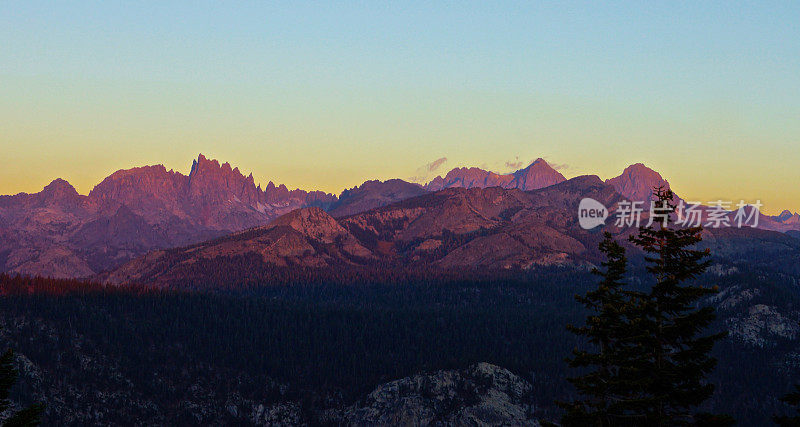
(96, 354)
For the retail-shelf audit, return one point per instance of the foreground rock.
(482, 394)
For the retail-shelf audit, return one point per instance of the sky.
(324, 95)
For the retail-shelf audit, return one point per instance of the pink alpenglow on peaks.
(637, 182)
(537, 175)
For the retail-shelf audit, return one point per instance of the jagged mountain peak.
(639, 166)
(213, 199)
(538, 174)
(788, 217)
(461, 169)
(201, 159)
(59, 188)
(538, 163)
(637, 182)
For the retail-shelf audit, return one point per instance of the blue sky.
(328, 94)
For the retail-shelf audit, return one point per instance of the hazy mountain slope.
(492, 228)
(456, 229)
(374, 194)
(537, 175)
(306, 237)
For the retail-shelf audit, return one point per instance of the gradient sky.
(324, 95)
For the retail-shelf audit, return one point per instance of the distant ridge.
(788, 217)
(374, 194)
(537, 175)
(60, 233)
(455, 230)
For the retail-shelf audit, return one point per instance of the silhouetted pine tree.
(8, 376)
(649, 358)
(673, 355)
(605, 385)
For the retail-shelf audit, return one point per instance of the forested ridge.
(326, 343)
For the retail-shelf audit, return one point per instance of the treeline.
(340, 336)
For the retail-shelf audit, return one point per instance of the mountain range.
(537, 175)
(470, 217)
(58, 232)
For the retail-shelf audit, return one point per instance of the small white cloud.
(432, 166)
(514, 164)
(424, 172)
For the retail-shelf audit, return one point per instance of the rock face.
(456, 228)
(303, 238)
(213, 195)
(752, 317)
(59, 233)
(537, 175)
(787, 217)
(637, 182)
(374, 194)
(482, 394)
(762, 325)
(36, 229)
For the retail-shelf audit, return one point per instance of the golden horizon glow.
(328, 96)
